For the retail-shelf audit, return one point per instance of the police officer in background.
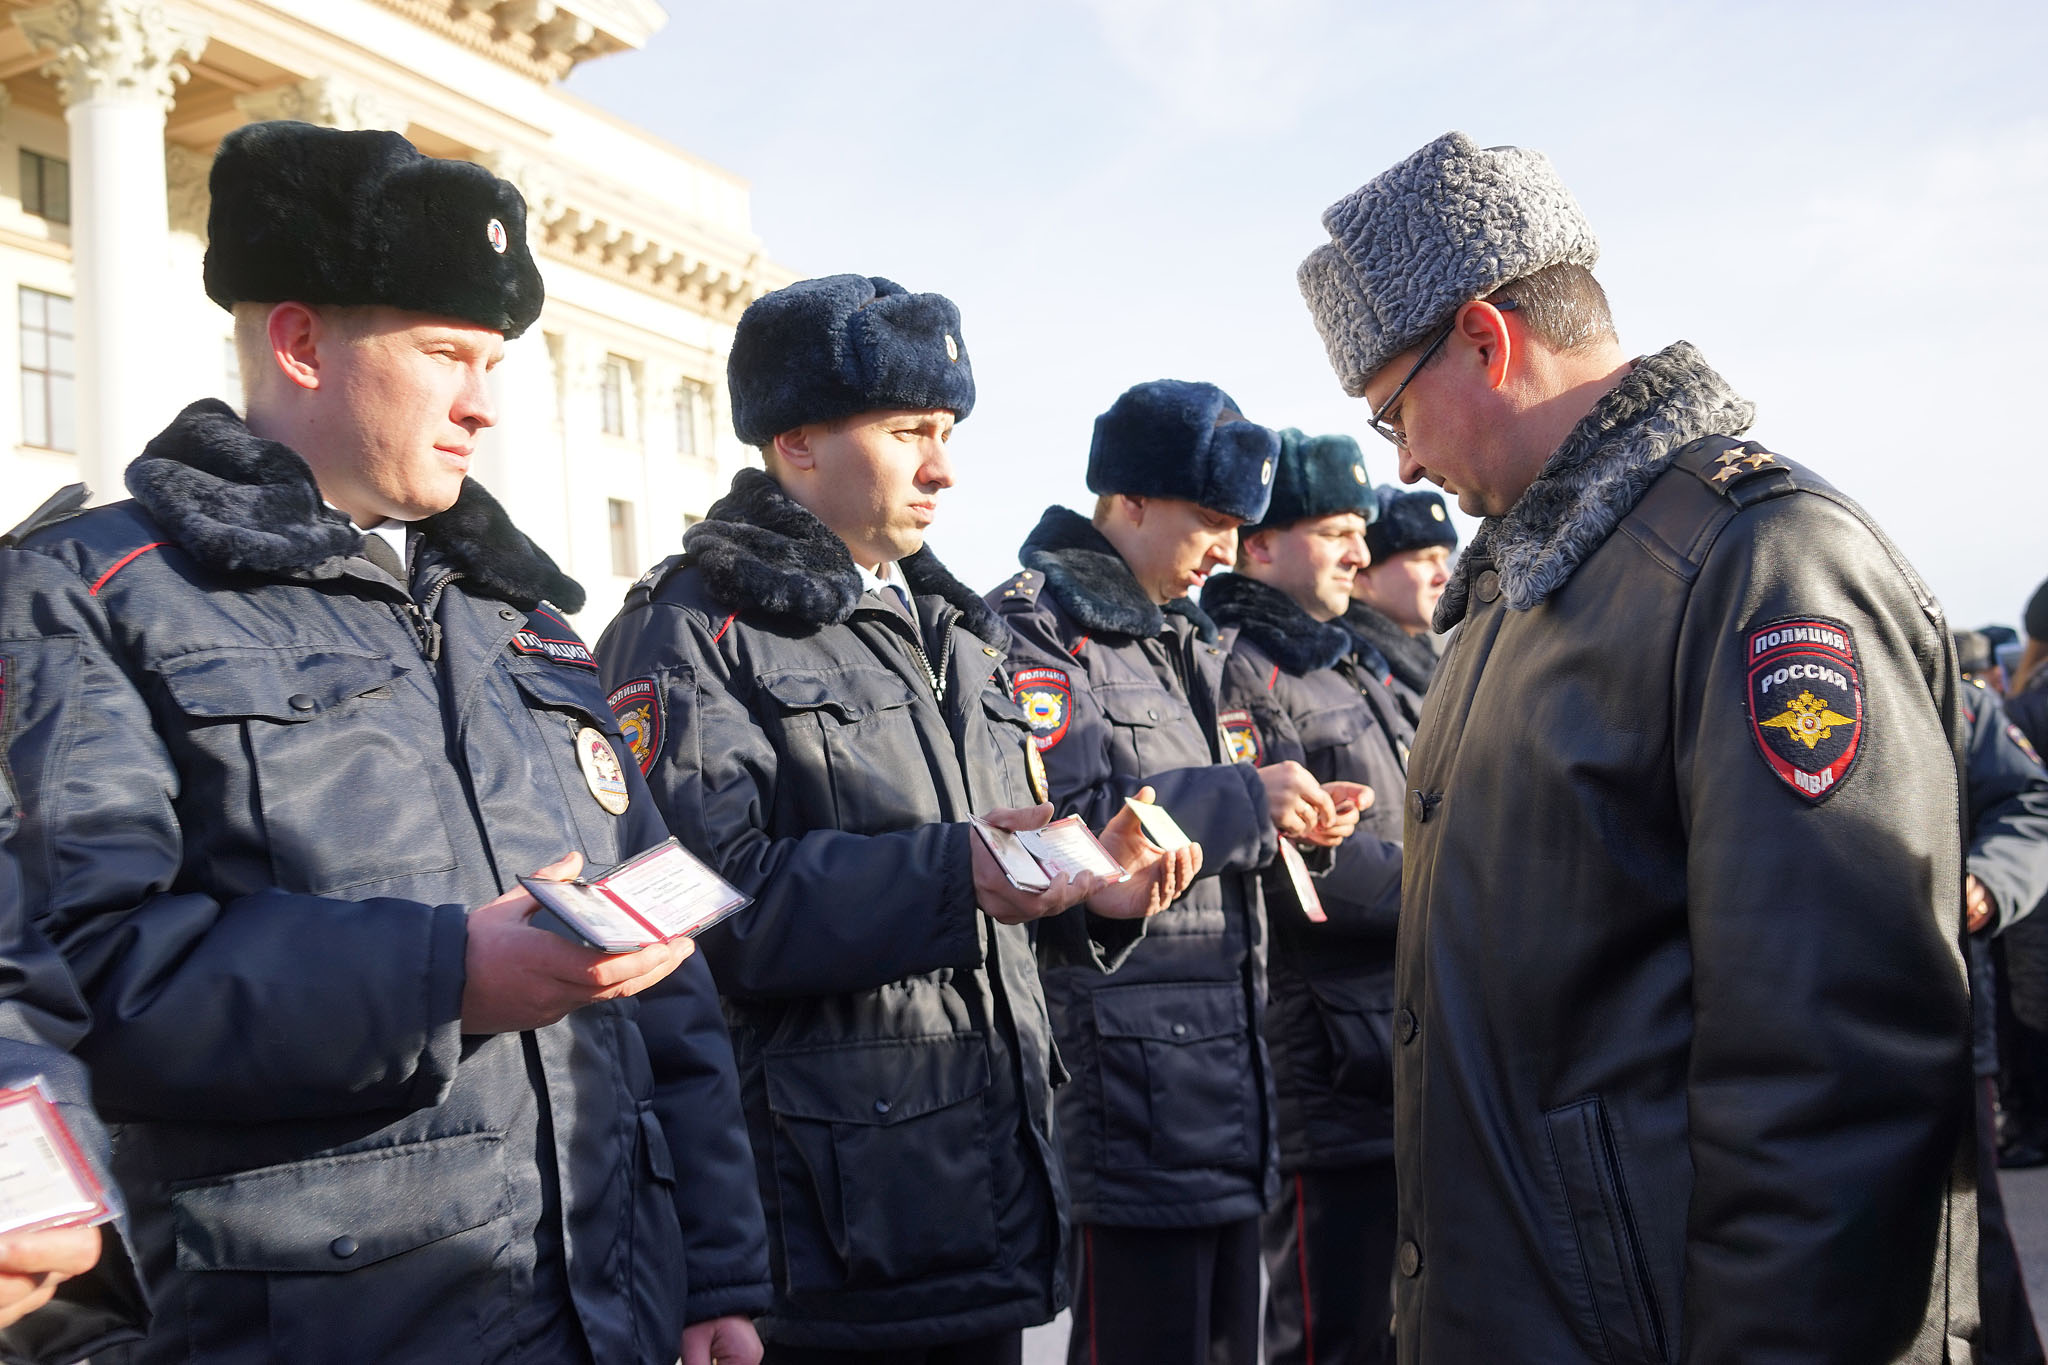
(1410, 542)
(289, 724)
(1301, 687)
(818, 706)
(1169, 1123)
(1683, 1067)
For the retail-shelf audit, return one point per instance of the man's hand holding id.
(1159, 877)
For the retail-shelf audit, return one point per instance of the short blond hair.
(252, 339)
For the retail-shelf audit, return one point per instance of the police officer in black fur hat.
(819, 708)
(1300, 686)
(1169, 1123)
(289, 724)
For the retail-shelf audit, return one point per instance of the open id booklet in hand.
(659, 896)
(45, 1180)
(1031, 858)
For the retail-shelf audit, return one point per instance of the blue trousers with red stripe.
(1166, 1296)
(1329, 1246)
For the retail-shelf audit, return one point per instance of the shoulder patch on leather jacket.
(1047, 696)
(1805, 701)
(638, 706)
(1241, 737)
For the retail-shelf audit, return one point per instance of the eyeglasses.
(1398, 437)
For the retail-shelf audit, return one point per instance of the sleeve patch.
(1805, 701)
(638, 706)
(1241, 737)
(1047, 696)
(2012, 732)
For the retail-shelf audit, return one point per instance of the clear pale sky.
(1844, 205)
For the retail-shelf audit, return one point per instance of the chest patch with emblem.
(601, 770)
(1805, 702)
(1047, 696)
(1241, 737)
(638, 706)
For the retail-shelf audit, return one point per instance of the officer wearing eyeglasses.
(1681, 1028)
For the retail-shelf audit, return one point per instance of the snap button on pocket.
(1405, 1025)
(507, 614)
(299, 701)
(1411, 1259)
(343, 1246)
(1152, 715)
(1180, 1030)
(881, 1106)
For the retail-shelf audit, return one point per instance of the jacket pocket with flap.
(339, 752)
(882, 1160)
(1176, 1075)
(848, 747)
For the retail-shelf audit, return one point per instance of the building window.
(47, 371)
(45, 186)
(625, 560)
(611, 392)
(690, 407)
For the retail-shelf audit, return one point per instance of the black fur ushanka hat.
(1172, 438)
(322, 216)
(1317, 476)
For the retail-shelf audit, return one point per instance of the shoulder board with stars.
(1737, 465)
(1022, 589)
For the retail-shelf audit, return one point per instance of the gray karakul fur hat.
(1450, 224)
(1317, 476)
(323, 216)
(1172, 438)
(1410, 519)
(819, 350)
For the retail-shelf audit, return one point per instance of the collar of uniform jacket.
(758, 549)
(1275, 622)
(1597, 476)
(1409, 658)
(1094, 584)
(242, 504)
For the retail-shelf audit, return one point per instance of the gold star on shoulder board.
(1726, 474)
(1728, 457)
(1760, 459)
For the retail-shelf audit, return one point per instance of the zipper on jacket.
(1632, 1246)
(421, 616)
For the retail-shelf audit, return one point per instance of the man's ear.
(295, 334)
(1484, 330)
(1134, 508)
(794, 448)
(1257, 547)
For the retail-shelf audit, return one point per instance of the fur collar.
(1094, 584)
(1275, 623)
(759, 549)
(1597, 476)
(242, 504)
(1411, 660)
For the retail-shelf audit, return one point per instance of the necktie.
(378, 551)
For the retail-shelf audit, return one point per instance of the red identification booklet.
(656, 897)
(1297, 877)
(45, 1180)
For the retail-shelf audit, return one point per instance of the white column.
(115, 63)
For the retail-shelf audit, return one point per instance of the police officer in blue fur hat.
(818, 708)
(1168, 1125)
(1395, 597)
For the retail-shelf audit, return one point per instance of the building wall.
(647, 253)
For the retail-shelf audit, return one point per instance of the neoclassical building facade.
(613, 429)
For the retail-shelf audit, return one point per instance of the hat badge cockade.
(952, 349)
(494, 233)
(1266, 472)
(1436, 509)
(1358, 472)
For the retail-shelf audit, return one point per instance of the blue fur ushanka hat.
(322, 216)
(1318, 476)
(1409, 520)
(819, 350)
(1170, 438)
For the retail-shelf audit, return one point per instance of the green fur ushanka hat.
(1317, 476)
(323, 216)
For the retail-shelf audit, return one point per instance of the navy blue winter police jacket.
(263, 783)
(1169, 1122)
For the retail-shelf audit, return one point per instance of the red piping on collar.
(123, 562)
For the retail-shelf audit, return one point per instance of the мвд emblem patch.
(1241, 737)
(1047, 696)
(1805, 701)
(638, 707)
